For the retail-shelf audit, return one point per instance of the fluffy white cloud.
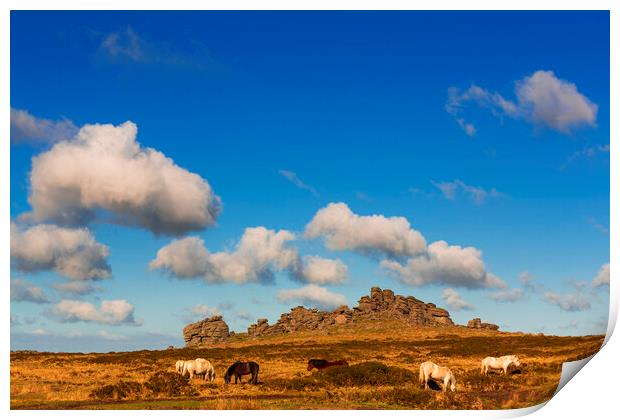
(111, 312)
(313, 296)
(77, 288)
(104, 169)
(258, 254)
(557, 103)
(26, 128)
(508, 295)
(23, 291)
(602, 277)
(477, 194)
(318, 270)
(542, 98)
(445, 264)
(571, 302)
(73, 253)
(345, 230)
(454, 301)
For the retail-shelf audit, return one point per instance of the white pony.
(504, 363)
(199, 367)
(179, 366)
(429, 370)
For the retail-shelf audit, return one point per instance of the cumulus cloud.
(508, 295)
(602, 277)
(344, 230)
(477, 194)
(542, 98)
(313, 296)
(23, 291)
(454, 301)
(571, 302)
(73, 253)
(258, 254)
(554, 102)
(103, 170)
(445, 264)
(111, 312)
(26, 128)
(294, 179)
(318, 270)
(76, 288)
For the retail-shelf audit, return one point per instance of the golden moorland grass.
(383, 356)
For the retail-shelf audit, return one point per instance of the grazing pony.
(504, 363)
(320, 364)
(199, 367)
(238, 369)
(429, 370)
(179, 366)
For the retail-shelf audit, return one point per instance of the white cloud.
(125, 43)
(345, 230)
(477, 194)
(105, 169)
(258, 254)
(111, 312)
(40, 331)
(526, 278)
(598, 226)
(602, 277)
(571, 302)
(201, 311)
(318, 270)
(508, 295)
(294, 179)
(445, 264)
(542, 98)
(313, 296)
(23, 291)
(76, 288)
(26, 128)
(454, 301)
(588, 153)
(73, 253)
(557, 103)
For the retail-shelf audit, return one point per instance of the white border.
(591, 394)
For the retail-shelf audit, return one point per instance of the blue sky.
(283, 113)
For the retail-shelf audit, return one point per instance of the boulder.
(205, 332)
(476, 323)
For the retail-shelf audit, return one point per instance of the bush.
(368, 373)
(119, 391)
(169, 384)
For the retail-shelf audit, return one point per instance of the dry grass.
(384, 361)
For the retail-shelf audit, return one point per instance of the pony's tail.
(421, 377)
(482, 366)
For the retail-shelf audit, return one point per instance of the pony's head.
(310, 366)
(516, 362)
(229, 372)
(452, 383)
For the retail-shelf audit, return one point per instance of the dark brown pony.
(238, 369)
(321, 364)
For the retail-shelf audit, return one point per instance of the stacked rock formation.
(205, 332)
(476, 323)
(379, 305)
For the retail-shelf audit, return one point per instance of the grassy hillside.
(384, 360)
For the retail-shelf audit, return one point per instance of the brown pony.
(321, 364)
(238, 369)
